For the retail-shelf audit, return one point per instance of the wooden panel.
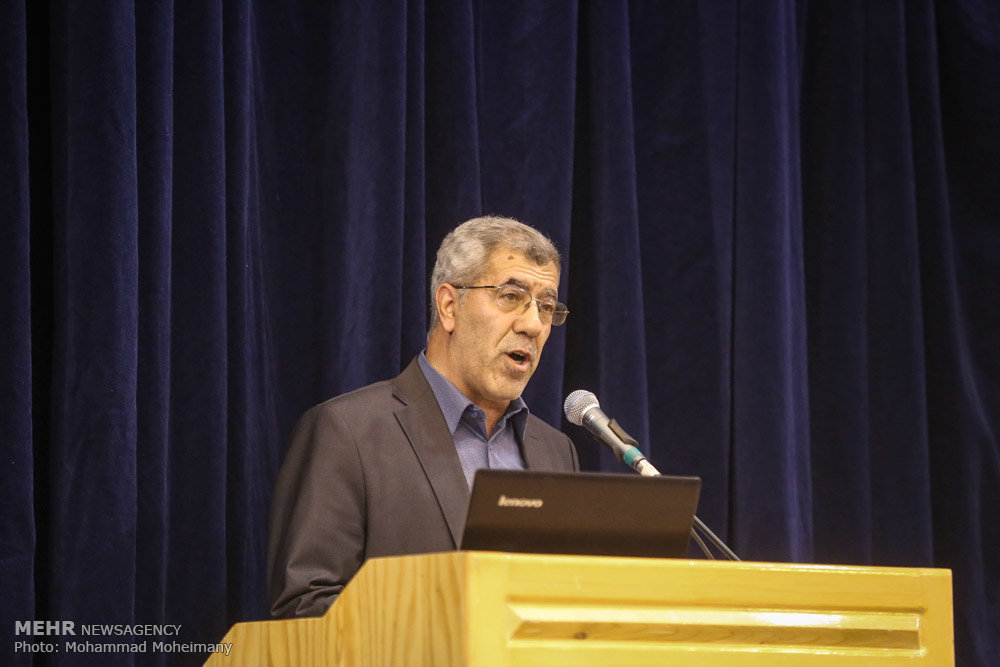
(505, 609)
(297, 642)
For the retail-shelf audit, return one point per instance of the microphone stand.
(632, 457)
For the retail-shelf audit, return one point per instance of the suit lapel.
(424, 426)
(539, 452)
(534, 456)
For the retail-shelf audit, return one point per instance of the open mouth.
(519, 357)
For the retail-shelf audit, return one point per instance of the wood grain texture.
(479, 609)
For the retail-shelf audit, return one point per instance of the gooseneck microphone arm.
(583, 409)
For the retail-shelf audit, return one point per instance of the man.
(386, 470)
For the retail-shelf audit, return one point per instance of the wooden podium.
(479, 608)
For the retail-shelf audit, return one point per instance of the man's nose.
(529, 321)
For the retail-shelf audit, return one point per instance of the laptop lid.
(599, 514)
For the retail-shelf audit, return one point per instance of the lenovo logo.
(534, 503)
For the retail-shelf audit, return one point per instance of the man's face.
(494, 353)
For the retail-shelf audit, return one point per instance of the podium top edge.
(677, 562)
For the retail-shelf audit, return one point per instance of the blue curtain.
(781, 229)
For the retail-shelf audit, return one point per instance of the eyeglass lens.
(510, 297)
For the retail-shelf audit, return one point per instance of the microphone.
(583, 409)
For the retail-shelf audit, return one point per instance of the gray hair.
(465, 253)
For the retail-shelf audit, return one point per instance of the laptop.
(599, 514)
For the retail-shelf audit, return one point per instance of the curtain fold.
(959, 213)
(779, 227)
(771, 497)
(89, 468)
(837, 278)
(18, 530)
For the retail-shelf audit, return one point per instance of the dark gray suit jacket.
(374, 473)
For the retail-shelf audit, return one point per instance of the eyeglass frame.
(561, 308)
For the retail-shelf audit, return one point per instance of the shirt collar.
(454, 403)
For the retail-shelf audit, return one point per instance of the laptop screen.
(598, 514)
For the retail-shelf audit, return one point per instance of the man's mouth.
(520, 357)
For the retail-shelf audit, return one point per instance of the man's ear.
(446, 299)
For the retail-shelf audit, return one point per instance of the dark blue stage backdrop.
(781, 224)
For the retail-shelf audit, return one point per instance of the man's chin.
(518, 379)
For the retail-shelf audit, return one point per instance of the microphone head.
(578, 403)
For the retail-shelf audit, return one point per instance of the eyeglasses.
(513, 297)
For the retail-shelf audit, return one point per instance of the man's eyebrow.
(520, 283)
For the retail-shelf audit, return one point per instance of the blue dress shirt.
(467, 423)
